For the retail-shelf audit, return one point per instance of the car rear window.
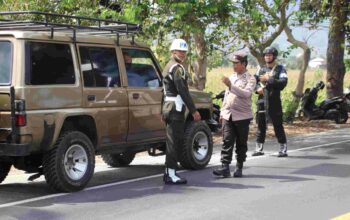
(5, 62)
(49, 64)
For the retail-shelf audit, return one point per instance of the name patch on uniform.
(283, 75)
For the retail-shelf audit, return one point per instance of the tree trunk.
(298, 92)
(187, 38)
(200, 64)
(258, 55)
(335, 50)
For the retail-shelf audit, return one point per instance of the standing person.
(176, 97)
(236, 113)
(272, 79)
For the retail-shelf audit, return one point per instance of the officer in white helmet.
(176, 99)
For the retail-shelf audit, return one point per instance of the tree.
(192, 20)
(336, 44)
(337, 12)
(299, 89)
(258, 23)
(77, 7)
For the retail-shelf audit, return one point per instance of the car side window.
(5, 62)
(99, 67)
(140, 68)
(49, 64)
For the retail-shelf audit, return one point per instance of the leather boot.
(259, 149)
(239, 170)
(223, 171)
(170, 177)
(283, 151)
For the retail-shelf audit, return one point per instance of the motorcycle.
(216, 108)
(347, 96)
(329, 109)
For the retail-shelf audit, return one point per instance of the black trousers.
(235, 133)
(174, 141)
(277, 122)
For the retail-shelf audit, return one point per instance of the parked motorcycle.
(216, 110)
(330, 109)
(347, 96)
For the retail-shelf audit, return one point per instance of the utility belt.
(178, 101)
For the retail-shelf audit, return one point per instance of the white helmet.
(179, 44)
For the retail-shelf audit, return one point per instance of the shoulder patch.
(282, 72)
(283, 75)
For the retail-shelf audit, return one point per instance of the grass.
(214, 84)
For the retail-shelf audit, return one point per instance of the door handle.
(135, 95)
(91, 98)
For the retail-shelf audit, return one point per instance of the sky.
(317, 40)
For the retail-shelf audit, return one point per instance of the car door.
(103, 92)
(144, 95)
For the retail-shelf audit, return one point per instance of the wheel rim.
(200, 145)
(75, 162)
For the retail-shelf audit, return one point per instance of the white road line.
(148, 177)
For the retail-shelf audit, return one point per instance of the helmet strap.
(178, 58)
(272, 62)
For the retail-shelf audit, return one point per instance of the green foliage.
(215, 59)
(347, 65)
(290, 105)
(67, 7)
(318, 75)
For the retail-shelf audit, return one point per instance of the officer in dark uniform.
(271, 79)
(176, 97)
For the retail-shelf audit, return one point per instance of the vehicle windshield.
(5, 62)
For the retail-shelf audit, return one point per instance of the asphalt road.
(312, 183)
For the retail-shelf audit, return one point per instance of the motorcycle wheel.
(342, 117)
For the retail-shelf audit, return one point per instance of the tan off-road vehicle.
(69, 92)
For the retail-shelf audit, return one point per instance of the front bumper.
(10, 149)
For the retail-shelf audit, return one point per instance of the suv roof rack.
(45, 21)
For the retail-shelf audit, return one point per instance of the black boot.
(239, 170)
(170, 177)
(223, 171)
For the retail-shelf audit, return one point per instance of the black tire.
(189, 157)
(342, 117)
(4, 170)
(118, 160)
(302, 116)
(54, 164)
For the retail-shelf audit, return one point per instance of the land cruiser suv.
(68, 93)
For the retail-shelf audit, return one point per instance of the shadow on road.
(312, 157)
(197, 180)
(326, 169)
(284, 178)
